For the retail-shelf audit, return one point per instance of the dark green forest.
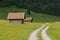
(51, 7)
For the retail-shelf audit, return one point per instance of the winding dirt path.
(44, 35)
(33, 35)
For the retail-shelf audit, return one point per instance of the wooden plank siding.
(18, 21)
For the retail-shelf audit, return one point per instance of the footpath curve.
(33, 35)
(44, 35)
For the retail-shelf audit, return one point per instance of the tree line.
(43, 6)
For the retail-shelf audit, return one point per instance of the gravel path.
(34, 34)
(44, 35)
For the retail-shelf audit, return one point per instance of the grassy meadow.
(10, 31)
(54, 31)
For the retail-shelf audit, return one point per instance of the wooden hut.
(16, 17)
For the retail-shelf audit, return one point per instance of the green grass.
(39, 33)
(39, 36)
(4, 11)
(54, 31)
(9, 31)
(44, 18)
(38, 17)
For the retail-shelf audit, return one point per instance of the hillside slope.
(38, 17)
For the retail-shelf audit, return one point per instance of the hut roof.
(16, 15)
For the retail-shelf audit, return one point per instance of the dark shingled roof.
(16, 15)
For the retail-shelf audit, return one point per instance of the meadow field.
(54, 31)
(10, 31)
